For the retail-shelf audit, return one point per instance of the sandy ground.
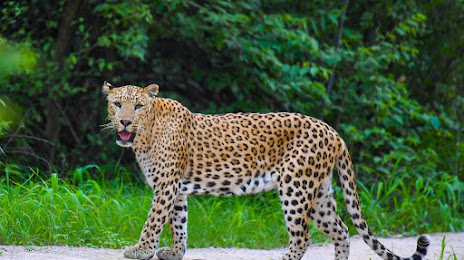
(404, 246)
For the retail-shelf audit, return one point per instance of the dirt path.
(359, 251)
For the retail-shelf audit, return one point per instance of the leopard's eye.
(117, 104)
(138, 106)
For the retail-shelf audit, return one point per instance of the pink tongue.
(124, 135)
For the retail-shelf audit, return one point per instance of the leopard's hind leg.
(296, 205)
(324, 214)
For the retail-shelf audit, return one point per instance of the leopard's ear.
(151, 90)
(107, 88)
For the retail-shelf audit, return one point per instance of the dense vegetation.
(388, 75)
(111, 213)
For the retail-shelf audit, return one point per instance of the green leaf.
(314, 71)
(435, 121)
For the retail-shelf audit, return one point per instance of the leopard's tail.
(347, 179)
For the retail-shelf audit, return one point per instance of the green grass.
(442, 252)
(55, 212)
(414, 205)
(112, 213)
(83, 209)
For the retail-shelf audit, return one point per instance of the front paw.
(167, 253)
(138, 252)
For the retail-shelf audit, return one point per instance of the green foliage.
(110, 213)
(391, 84)
(50, 211)
(3, 126)
(385, 84)
(14, 60)
(395, 202)
(452, 256)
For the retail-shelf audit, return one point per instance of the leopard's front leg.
(166, 193)
(178, 225)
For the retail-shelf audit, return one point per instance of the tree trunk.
(65, 33)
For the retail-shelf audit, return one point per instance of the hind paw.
(167, 253)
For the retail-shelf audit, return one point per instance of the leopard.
(183, 153)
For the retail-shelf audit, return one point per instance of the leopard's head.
(129, 109)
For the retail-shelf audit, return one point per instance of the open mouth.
(125, 137)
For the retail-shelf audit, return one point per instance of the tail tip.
(424, 240)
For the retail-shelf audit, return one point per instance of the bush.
(387, 77)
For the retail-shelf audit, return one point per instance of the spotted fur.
(184, 153)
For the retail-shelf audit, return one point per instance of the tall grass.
(254, 221)
(413, 205)
(83, 209)
(53, 211)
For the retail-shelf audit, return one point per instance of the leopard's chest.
(147, 164)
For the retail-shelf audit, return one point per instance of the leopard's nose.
(126, 122)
